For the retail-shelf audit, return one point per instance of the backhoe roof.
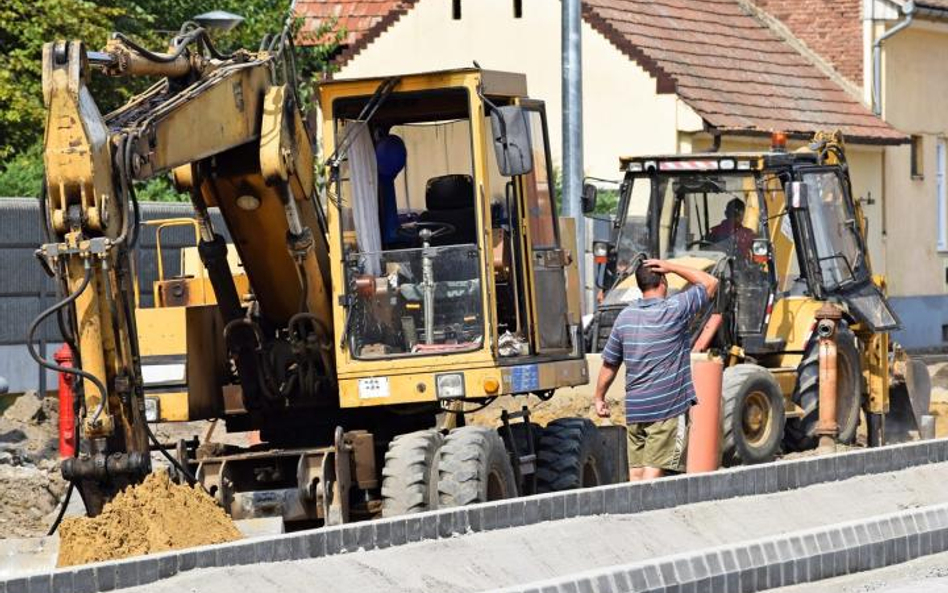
(493, 82)
(713, 161)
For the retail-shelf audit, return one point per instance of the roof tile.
(736, 73)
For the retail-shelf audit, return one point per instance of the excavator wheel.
(410, 474)
(801, 432)
(572, 454)
(474, 467)
(753, 416)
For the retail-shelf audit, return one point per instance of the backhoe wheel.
(410, 475)
(474, 467)
(572, 454)
(801, 432)
(754, 415)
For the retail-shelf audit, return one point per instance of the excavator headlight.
(450, 385)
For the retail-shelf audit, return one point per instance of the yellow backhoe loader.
(800, 321)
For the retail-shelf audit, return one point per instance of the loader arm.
(233, 138)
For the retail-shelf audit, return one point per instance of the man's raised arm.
(693, 276)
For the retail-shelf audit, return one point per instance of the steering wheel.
(700, 243)
(413, 230)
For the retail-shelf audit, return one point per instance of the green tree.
(26, 24)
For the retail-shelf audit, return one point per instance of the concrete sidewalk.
(519, 556)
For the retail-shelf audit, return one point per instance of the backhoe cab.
(784, 234)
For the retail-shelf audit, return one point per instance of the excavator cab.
(453, 272)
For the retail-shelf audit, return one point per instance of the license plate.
(373, 387)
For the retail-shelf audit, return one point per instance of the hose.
(62, 510)
(44, 362)
(174, 462)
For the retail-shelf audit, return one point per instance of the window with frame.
(941, 195)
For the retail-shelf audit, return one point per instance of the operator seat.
(450, 199)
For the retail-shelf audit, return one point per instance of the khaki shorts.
(660, 444)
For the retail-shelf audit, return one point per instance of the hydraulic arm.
(229, 129)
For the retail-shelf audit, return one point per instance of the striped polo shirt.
(651, 337)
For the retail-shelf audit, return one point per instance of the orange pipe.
(827, 428)
(704, 434)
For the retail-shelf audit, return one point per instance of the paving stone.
(148, 570)
(83, 581)
(126, 573)
(41, 583)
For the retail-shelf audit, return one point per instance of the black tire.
(474, 467)
(753, 415)
(410, 474)
(572, 454)
(801, 432)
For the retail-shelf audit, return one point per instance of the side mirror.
(797, 194)
(511, 132)
(590, 194)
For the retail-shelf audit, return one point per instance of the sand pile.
(155, 516)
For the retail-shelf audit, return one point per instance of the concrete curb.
(757, 565)
(384, 533)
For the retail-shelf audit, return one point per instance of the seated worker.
(391, 157)
(732, 227)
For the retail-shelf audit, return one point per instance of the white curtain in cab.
(363, 171)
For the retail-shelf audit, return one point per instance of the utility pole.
(573, 131)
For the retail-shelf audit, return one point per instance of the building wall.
(836, 35)
(912, 103)
(913, 85)
(622, 112)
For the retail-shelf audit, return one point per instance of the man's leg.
(635, 434)
(664, 447)
(650, 473)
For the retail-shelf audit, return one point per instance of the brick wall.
(831, 28)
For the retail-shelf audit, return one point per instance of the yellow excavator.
(431, 276)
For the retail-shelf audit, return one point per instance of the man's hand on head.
(659, 266)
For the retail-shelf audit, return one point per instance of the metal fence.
(25, 290)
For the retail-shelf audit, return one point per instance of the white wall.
(622, 112)
(914, 87)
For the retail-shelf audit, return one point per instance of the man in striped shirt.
(651, 337)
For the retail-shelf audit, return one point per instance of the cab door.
(546, 259)
(833, 250)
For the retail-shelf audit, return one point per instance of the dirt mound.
(155, 516)
(29, 495)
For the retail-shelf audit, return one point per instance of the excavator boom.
(233, 137)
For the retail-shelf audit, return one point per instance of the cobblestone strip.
(778, 561)
(617, 499)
